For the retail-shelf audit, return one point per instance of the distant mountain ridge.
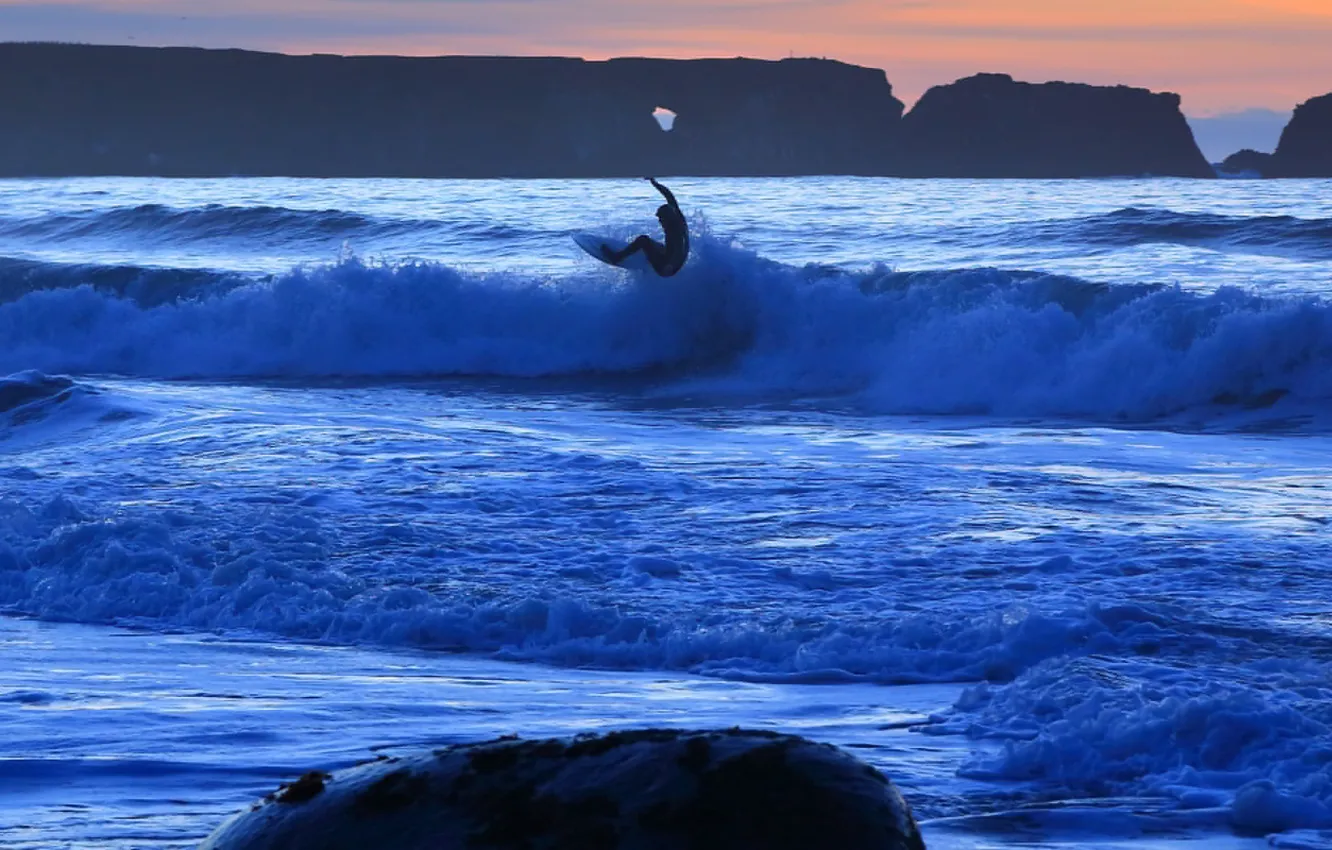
(70, 110)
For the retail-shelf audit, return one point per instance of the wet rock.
(655, 788)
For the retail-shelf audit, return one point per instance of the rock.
(1305, 149)
(73, 110)
(659, 789)
(992, 126)
(1246, 163)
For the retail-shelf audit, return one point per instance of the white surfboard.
(592, 242)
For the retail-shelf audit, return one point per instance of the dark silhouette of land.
(1305, 149)
(1246, 162)
(87, 110)
(992, 126)
(70, 110)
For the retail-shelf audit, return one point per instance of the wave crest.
(1310, 238)
(160, 222)
(982, 341)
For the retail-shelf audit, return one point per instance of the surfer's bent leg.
(643, 243)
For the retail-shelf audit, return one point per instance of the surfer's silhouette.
(666, 259)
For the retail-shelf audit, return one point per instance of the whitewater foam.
(1256, 739)
(978, 341)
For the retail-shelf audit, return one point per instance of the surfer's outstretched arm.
(666, 193)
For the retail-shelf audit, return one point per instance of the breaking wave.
(970, 341)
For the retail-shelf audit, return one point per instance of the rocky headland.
(991, 125)
(88, 110)
(1305, 149)
(85, 110)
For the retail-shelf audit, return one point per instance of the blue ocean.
(1019, 490)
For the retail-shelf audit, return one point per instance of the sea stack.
(1305, 149)
(661, 789)
(990, 125)
(1246, 163)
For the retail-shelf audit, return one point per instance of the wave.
(51, 406)
(237, 226)
(145, 286)
(1136, 698)
(1254, 740)
(212, 222)
(31, 389)
(1282, 234)
(272, 571)
(968, 341)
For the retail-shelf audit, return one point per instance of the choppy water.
(1018, 487)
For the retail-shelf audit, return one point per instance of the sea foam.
(973, 341)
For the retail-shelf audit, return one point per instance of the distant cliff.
(991, 126)
(68, 110)
(1306, 143)
(89, 110)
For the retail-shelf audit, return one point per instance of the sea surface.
(1021, 490)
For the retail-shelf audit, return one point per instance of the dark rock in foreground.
(1246, 163)
(1306, 143)
(658, 789)
(72, 110)
(992, 126)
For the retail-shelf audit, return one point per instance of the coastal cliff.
(83, 110)
(992, 126)
(1305, 149)
(91, 110)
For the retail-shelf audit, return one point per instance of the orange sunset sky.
(1222, 55)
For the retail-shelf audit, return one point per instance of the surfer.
(666, 259)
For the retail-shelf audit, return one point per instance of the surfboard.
(592, 242)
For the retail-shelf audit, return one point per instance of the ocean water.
(1018, 489)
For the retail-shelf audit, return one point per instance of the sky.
(1221, 55)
